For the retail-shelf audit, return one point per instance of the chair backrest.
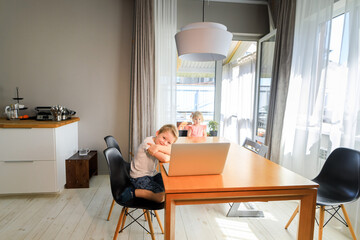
(341, 171)
(111, 142)
(118, 170)
(255, 147)
(263, 150)
(183, 133)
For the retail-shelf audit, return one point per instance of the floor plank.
(12, 210)
(81, 214)
(22, 223)
(71, 224)
(89, 215)
(59, 203)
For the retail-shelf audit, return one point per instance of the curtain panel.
(237, 100)
(142, 115)
(323, 102)
(280, 77)
(301, 133)
(349, 125)
(165, 61)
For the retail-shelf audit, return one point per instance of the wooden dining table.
(246, 177)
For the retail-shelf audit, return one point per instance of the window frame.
(257, 84)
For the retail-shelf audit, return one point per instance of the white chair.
(250, 210)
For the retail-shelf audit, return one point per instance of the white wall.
(71, 53)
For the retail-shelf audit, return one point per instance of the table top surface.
(244, 170)
(30, 123)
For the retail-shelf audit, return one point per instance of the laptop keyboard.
(166, 167)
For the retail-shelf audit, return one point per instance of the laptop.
(188, 159)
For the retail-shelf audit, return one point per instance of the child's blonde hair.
(170, 128)
(196, 115)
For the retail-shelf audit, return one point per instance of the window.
(265, 63)
(238, 93)
(340, 116)
(332, 107)
(195, 90)
(336, 98)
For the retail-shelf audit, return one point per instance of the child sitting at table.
(197, 130)
(146, 181)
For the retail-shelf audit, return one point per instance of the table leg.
(307, 216)
(169, 219)
(250, 210)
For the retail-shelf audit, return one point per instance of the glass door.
(265, 61)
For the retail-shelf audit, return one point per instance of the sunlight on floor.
(269, 216)
(238, 228)
(234, 229)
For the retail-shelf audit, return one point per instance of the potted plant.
(213, 127)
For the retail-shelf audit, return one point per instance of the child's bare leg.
(147, 194)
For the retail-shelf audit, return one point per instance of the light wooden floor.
(81, 214)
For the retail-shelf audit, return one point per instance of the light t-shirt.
(144, 164)
(197, 131)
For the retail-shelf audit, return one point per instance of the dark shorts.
(154, 184)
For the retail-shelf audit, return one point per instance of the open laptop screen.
(197, 158)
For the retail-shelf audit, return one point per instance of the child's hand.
(153, 149)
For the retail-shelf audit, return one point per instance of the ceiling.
(236, 51)
(206, 69)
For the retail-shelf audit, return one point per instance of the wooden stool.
(79, 170)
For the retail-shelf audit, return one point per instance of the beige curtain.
(142, 115)
(165, 61)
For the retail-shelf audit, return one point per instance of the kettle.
(12, 111)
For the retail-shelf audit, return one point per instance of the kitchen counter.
(4, 123)
(33, 154)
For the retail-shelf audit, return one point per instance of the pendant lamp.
(203, 41)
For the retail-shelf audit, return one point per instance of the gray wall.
(71, 53)
(245, 21)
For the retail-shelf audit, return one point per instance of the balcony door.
(265, 61)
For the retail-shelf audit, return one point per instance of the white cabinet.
(32, 160)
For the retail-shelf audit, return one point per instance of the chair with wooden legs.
(119, 180)
(339, 183)
(111, 142)
(250, 210)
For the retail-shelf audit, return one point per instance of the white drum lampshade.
(203, 41)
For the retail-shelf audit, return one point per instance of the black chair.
(119, 180)
(258, 148)
(339, 183)
(183, 133)
(111, 142)
(250, 210)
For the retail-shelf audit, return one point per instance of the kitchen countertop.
(4, 123)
